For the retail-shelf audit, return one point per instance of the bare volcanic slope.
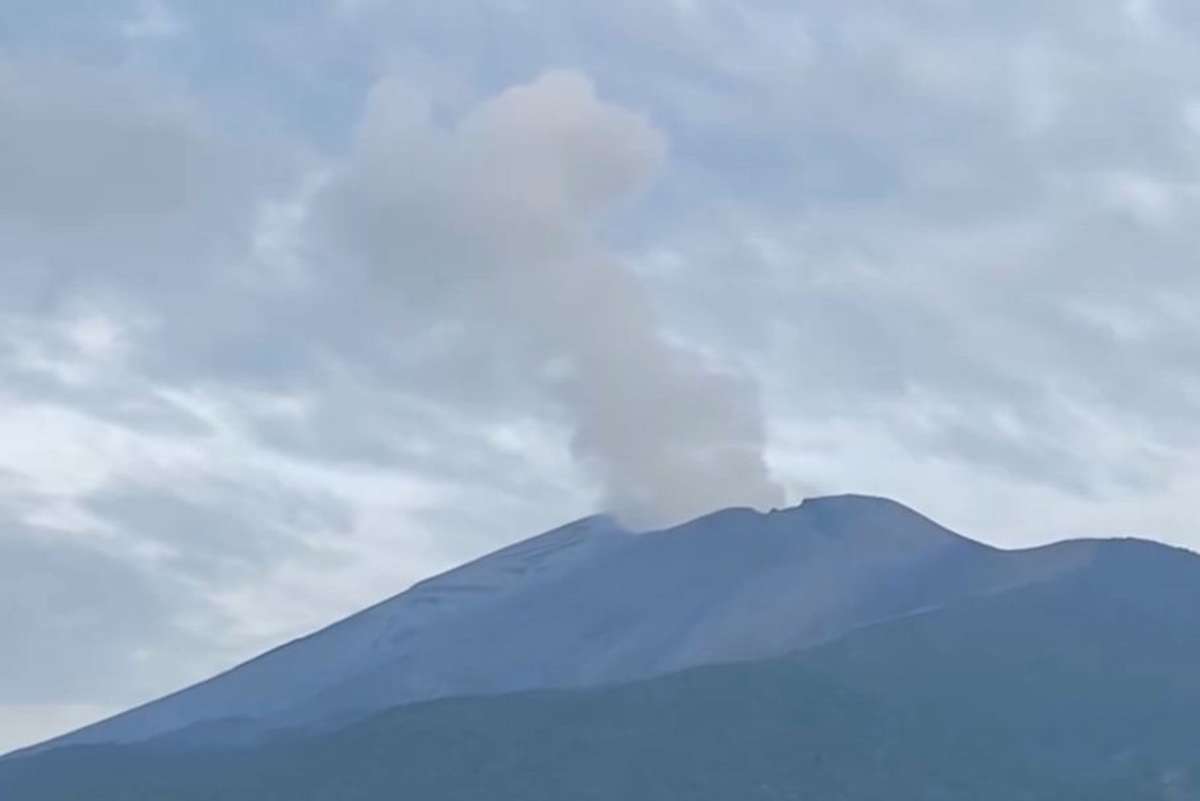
(1079, 687)
(592, 604)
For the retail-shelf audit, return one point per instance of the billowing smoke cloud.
(492, 223)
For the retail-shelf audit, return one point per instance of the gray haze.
(303, 302)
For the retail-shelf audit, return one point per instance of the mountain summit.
(592, 604)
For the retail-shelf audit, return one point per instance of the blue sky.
(302, 302)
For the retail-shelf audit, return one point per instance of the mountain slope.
(590, 604)
(1080, 686)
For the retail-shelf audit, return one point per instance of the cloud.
(210, 527)
(81, 625)
(89, 149)
(124, 204)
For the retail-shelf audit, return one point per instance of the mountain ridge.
(1077, 687)
(590, 603)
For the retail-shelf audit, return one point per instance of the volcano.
(850, 626)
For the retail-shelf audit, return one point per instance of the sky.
(303, 302)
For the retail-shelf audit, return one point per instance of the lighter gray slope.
(265, 687)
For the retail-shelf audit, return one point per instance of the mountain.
(591, 604)
(1075, 681)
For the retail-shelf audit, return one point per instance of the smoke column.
(493, 220)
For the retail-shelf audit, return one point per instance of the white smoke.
(493, 220)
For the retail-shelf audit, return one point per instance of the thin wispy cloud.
(153, 20)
